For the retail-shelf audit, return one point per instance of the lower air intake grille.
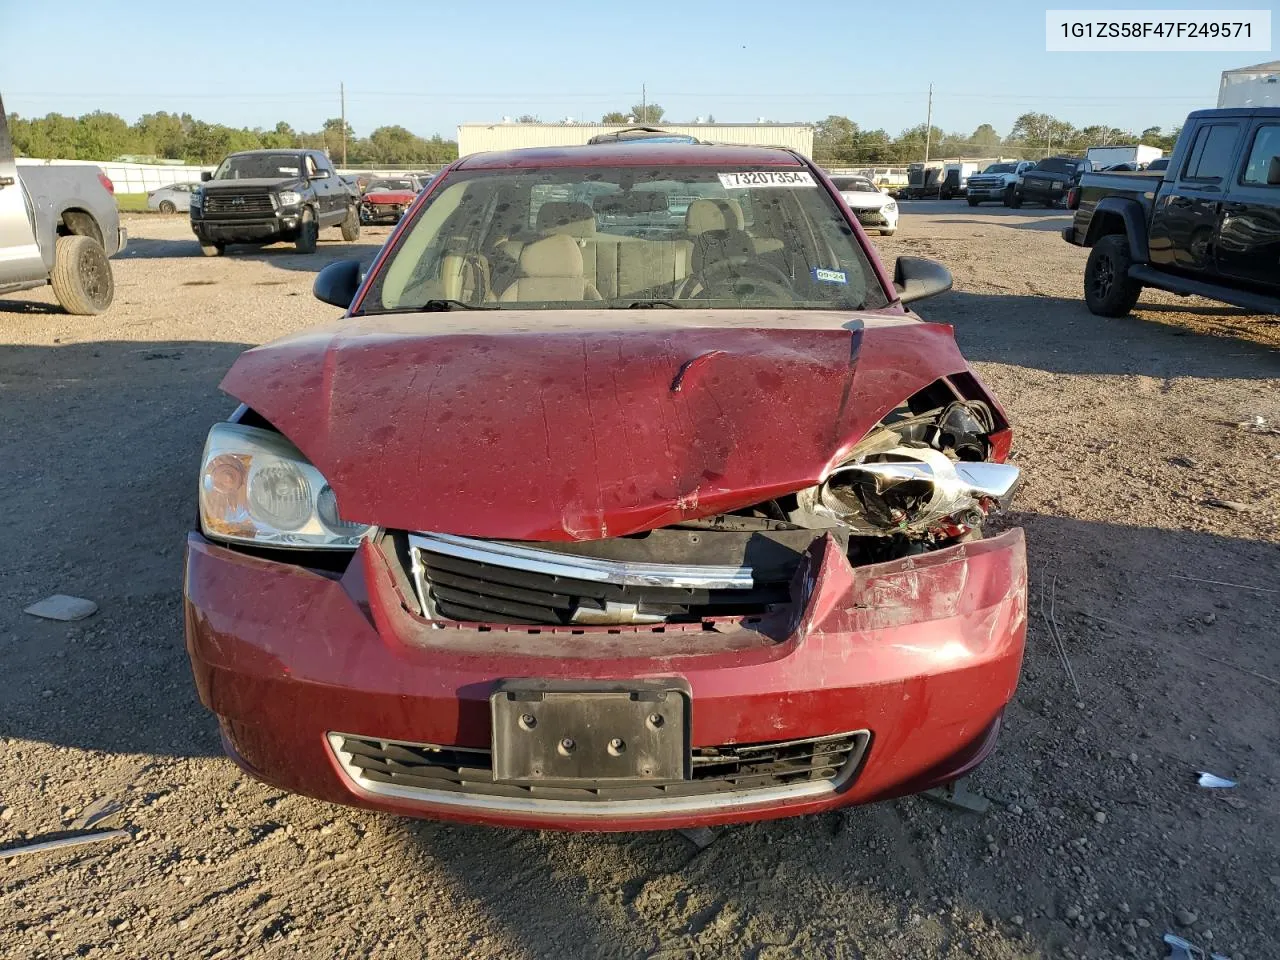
(425, 771)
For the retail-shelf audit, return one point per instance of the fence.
(145, 177)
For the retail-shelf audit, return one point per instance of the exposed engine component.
(907, 490)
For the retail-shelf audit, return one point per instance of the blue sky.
(431, 66)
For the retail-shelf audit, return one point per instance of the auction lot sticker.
(766, 178)
(1116, 31)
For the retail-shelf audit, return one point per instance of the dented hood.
(582, 424)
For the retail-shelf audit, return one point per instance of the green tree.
(835, 141)
(985, 137)
(647, 113)
(615, 116)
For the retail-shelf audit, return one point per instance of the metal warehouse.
(479, 137)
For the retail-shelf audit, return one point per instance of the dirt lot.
(1099, 841)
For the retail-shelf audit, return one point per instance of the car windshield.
(593, 236)
(391, 185)
(250, 166)
(855, 185)
(1056, 165)
(1002, 168)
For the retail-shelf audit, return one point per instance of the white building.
(480, 137)
(1256, 86)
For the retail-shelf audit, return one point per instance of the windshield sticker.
(766, 178)
(830, 276)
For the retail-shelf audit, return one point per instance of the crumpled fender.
(570, 426)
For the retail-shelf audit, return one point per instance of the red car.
(386, 199)
(600, 512)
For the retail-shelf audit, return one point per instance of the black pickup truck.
(1050, 180)
(1207, 225)
(264, 196)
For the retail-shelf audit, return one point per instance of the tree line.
(170, 136)
(839, 141)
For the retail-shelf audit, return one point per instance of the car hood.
(216, 185)
(865, 201)
(390, 196)
(581, 425)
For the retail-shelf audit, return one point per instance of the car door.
(19, 253)
(1248, 247)
(319, 188)
(332, 186)
(1184, 224)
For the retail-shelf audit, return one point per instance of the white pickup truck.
(998, 182)
(58, 225)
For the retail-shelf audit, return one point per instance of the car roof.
(633, 153)
(242, 153)
(1235, 112)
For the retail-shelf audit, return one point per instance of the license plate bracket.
(569, 732)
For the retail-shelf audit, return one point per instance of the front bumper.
(261, 230)
(986, 193)
(921, 654)
(382, 212)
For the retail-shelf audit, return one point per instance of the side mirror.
(1273, 172)
(337, 283)
(916, 278)
(206, 176)
(319, 175)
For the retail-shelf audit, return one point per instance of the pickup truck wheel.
(1009, 193)
(1016, 200)
(308, 233)
(351, 224)
(973, 202)
(81, 276)
(213, 249)
(1108, 289)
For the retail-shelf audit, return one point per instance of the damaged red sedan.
(627, 495)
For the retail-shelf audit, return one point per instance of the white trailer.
(1135, 153)
(1256, 86)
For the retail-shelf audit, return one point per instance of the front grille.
(488, 587)
(816, 764)
(870, 216)
(238, 203)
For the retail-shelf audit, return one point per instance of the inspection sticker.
(830, 276)
(767, 178)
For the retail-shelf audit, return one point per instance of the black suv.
(1050, 180)
(1208, 225)
(265, 196)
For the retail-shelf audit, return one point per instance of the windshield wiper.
(648, 304)
(440, 306)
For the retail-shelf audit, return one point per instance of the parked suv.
(997, 182)
(1210, 226)
(265, 196)
(1050, 180)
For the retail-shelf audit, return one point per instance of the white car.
(873, 207)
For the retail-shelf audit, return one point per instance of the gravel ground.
(1098, 841)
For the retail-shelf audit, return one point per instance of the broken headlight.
(256, 487)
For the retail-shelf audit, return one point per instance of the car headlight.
(197, 195)
(257, 487)
(891, 207)
(289, 198)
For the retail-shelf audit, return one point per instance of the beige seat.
(551, 270)
(715, 228)
(566, 218)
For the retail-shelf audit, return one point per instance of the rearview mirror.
(337, 283)
(916, 278)
(1273, 172)
(206, 176)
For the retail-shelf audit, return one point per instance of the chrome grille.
(447, 774)
(236, 203)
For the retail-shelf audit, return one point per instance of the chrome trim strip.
(573, 567)
(595, 808)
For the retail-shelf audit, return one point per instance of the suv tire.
(1016, 200)
(308, 232)
(81, 276)
(1010, 192)
(351, 224)
(973, 202)
(1109, 291)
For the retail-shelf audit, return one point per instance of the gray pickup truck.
(58, 225)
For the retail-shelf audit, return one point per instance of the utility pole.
(342, 96)
(928, 125)
(644, 105)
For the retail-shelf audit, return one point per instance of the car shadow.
(9, 305)
(1053, 225)
(1060, 335)
(280, 255)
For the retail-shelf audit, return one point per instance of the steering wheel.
(735, 274)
